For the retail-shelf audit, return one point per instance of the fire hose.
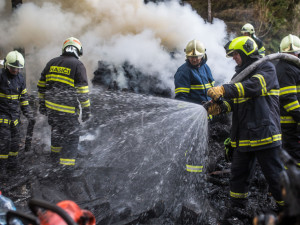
(243, 74)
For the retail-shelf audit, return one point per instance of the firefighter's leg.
(14, 145)
(271, 166)
(291, 141)
(70, 143)
(241, 171)
(56, 145)
(4, 147)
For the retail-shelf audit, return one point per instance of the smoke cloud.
(115, 31)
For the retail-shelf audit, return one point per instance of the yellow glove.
(214, 109)
(216, 92)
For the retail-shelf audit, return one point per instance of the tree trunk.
(209, 11)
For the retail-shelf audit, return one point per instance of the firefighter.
(248, 30)
(255, 132)
(289, 81)
(194, 78)
(13, 97)
(62, 86)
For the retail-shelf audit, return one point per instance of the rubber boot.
(236, 208)
(3, 171)
(54, 158)
(12, 165)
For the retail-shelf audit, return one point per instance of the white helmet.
(194, 48)
(14, 59)
(248, 28)
(290, 43)
(73, 42)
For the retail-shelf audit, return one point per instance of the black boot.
(3, 171)
(54, 158)
(12, 165)
(236, 208)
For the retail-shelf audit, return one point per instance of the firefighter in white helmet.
(248, 30)
(63, 90)
(289, 80)
(13, 96)
(194, 78)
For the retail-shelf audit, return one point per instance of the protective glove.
(43, 108)
(228, 150)
(214, 109)
(86, 113)
(216, 92)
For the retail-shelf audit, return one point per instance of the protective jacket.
(62, 82)
(289, 81)
(13, 94)
(62, 86)
(255, 105)
(192, 83)
(260, 46)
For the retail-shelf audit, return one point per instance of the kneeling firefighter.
(255, 132)
(13, 96)
(62, 86)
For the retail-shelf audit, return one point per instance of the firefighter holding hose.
(255, 132)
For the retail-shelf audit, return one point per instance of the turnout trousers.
(291, 141)
(64, 138)
(242, 170)
(9, 142)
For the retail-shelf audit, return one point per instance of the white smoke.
(114, 31)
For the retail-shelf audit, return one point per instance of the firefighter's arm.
(41, 93)
(258, 84)
(24, 103)
(82, 90)
(288, 97)
(182, 85)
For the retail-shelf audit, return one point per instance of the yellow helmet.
(290, 43)
(244, 43)
(74, 42)
(248, 28)
(14, 59)
(194, 48)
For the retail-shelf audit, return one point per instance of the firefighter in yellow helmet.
(255, 132)
(248, 30)
(13, 97)
(63, 90)
(193, 78)
(289, 81)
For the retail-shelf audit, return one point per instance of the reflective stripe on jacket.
(255, 106)
(192, 83)
(63, 83)
(289, 81)
(261, 48)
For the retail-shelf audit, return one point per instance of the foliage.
(272, 19)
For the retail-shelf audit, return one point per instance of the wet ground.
(133, 175)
